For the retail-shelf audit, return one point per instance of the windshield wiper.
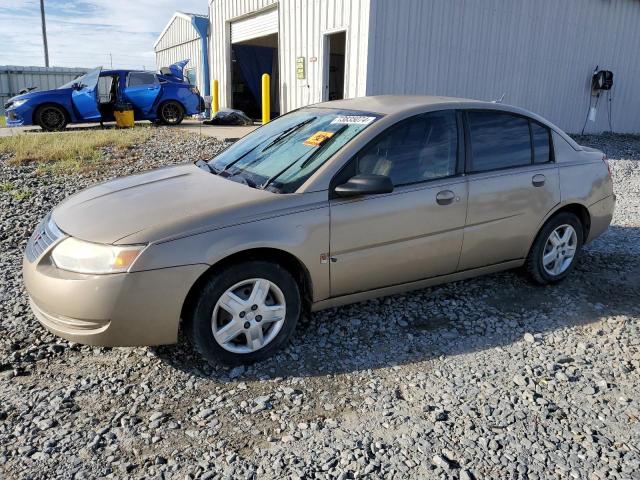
(205, 166)
(315, 153)
(249, 182)
(287, 132)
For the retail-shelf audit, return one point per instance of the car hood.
(159, 205)
(64, 92)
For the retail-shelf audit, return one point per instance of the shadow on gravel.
(448, 320)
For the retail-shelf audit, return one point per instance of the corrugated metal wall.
(221, 12)
(302, 24)
(540, 53)
(180, 41)
(14, 78)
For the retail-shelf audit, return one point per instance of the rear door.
(142, 90)
(513, 184)
(85, 96)
(413, 233)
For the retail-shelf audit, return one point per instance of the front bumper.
(15, 118)
(126, 309)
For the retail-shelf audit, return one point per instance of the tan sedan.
(327, 205)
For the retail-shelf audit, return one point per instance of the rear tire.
(244, 313)
(51, 118)
(555, 250)
(171, 113)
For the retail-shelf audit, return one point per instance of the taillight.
(606, 162)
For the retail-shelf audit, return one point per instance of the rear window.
(498, 140)
(140, 78)
(541, 143)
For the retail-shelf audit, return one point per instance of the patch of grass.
(17, 193)
(21, 195)
(3, 121)
(68, 152)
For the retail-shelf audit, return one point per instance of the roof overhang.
(199, 22)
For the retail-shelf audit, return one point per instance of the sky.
(84, 33)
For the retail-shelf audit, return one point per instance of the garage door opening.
(334, 48)
(251, 59)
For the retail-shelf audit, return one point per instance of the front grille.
(43, 237)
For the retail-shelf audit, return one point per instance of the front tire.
(171, 113)
(555, 249)
(51, 118)
(244, 313)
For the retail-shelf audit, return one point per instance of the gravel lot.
(488, 378)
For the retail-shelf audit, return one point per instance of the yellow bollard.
(215, 102)
(266, 99)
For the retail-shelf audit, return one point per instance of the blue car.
(165, 97)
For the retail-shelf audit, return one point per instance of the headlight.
(84, 257)
(17, 103)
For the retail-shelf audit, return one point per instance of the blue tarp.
(254, 61)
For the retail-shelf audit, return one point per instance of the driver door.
(85, 97)
(416, 231)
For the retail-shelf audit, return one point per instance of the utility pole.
(111, 60)
(44, 34)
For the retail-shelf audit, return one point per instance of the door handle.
(445, 197)
(538, 180)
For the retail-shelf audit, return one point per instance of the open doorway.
(334, 60)
(250, 59)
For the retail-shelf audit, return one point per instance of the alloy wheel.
(52, 118)
(248, 316)
(170, 113)
(560, 250)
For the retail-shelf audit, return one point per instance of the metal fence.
(15, 78)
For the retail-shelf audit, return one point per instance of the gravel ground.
(487, 378)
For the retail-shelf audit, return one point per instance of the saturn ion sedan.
(330, 204)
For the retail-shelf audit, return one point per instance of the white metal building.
(13, 79)
(186, 36)
(539, 54)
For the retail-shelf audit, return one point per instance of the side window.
(420, 148)
(104, 88)
(498, 140)
(135, 79)
(190, 75)
(541, 143)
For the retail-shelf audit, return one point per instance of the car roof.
(390, 104)
(399, 106)
(114, 72)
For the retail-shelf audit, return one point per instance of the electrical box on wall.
(601, 80)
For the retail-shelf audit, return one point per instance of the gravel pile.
(487, 378)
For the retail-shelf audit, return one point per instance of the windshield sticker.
(353, 120)
(318, 139)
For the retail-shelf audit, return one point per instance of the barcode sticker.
(353, 120)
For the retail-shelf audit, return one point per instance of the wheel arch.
(281, 257)
(576, 208)
(67, 114)
(167, 100)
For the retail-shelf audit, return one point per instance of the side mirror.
(365, 185)
(76, 86)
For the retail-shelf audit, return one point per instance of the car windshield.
(281, 155)
(74, 81)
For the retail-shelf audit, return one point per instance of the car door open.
(85, 96)
(412, 233)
